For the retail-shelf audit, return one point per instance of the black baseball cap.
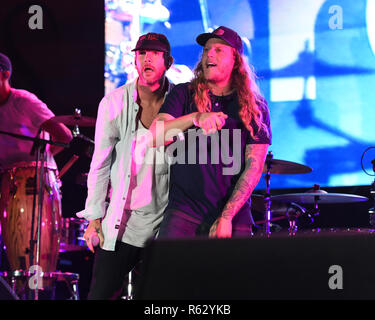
(153, 41)
(5, 64)
(228, 35)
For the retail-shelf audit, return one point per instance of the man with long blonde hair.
(211, 183)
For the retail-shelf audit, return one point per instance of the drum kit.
(290, 205)
(45, 235)
(32, 227)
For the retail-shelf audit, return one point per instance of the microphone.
(297, 206)
(95, 241)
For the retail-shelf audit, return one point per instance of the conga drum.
(17, 186)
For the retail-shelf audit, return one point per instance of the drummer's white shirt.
(22, 114)
(139, 188)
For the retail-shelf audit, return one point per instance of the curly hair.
(249, 98)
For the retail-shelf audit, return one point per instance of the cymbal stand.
(371, 211)
(267, 196)
(292, 220)
(315, 211)
(39, 159)
(293, 212)
(40, 146)
(77, 115)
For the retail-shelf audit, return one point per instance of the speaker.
(6, 292)
(278, 267)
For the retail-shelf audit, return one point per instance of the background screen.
(315, 62)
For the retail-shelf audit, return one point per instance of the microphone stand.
(40, 145)
(267, 196)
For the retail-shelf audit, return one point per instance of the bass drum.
(16, 205)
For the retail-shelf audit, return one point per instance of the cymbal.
(285, 167)
(70, 120)
(277, 208)
(319, 196)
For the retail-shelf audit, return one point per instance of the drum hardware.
(82, 145)
(68, 165)
(284, 167)
(273, 219)
(87, 151)
(317, 197)
(339, 232)
(274, 166)
(267, 199)
(259, 205)
(71, 280)
(129, 291)
(293, 213)
(76, 120)
(280, 211)
(39, 146)
(371, 211)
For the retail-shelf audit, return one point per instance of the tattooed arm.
(255, 155)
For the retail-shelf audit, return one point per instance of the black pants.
(110, 270)
(176, 225)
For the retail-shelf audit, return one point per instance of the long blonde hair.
(249, 98)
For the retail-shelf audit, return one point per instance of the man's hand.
(221, 228)
(94, 229)
(59, 133)
(210, 122)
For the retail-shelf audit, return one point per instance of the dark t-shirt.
(205, 169)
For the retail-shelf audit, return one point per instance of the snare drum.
(17, 187)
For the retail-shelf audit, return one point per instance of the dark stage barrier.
(332, 265)
(6, 292)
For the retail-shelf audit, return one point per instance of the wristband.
(195, 122)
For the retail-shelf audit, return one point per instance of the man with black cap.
(209, 195)
(21, 112)
(122, 160)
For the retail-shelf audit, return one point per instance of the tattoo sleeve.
(255, 155)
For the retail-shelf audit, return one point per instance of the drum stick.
(68, 165)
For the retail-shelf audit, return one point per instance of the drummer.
(21, 112)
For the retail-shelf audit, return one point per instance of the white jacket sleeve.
(106, 137)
